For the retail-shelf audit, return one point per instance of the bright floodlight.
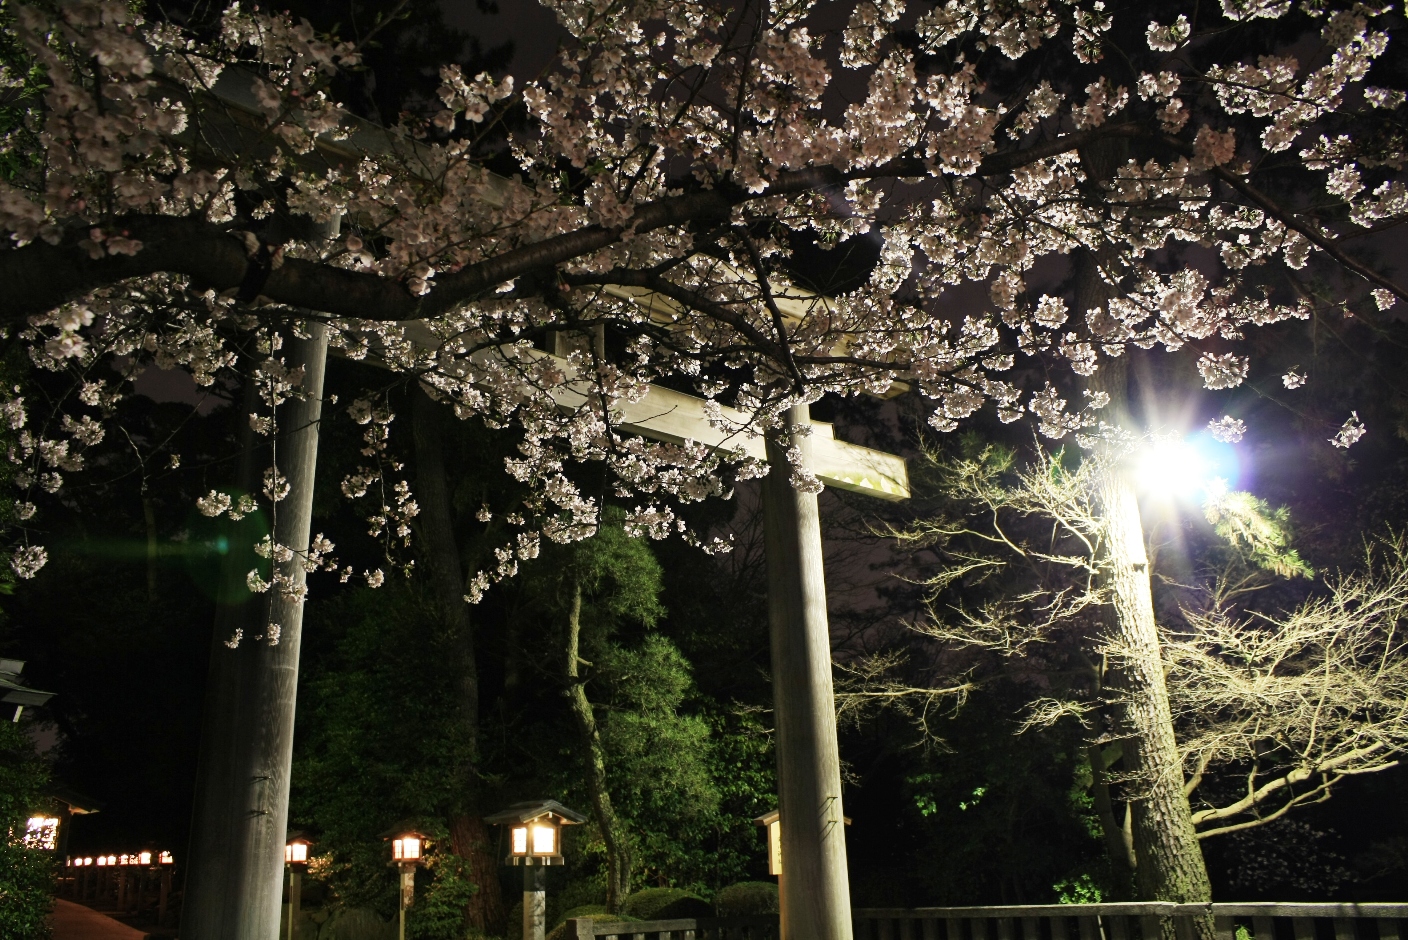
(1175, 467)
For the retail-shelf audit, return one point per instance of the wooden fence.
(1134, 921)
(1129, 921)
(763, 927)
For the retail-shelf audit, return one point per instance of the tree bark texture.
(234, 884)
(817, 901)
(618, 863)
(469, 837)
(1170, 863)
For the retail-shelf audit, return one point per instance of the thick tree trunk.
(618, 864)
(1170, 862)
(469, 837)
(816, 904)
(234, 883)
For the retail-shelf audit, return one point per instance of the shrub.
(594, 911)
(26, 874)
(747, 898)
(665, 904)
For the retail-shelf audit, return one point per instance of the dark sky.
(532, 27)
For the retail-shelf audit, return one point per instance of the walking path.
(75, 922)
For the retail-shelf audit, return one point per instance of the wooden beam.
(673, 418)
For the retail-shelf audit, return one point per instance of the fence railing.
(1134, 921)
(124, 889)
(762, 927)
(1123, 921)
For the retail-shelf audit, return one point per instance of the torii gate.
(234, 883)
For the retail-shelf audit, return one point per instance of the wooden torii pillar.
(816, 902)
(241, 809)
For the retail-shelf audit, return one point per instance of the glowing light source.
(41, 832)
(537, 838)
(165, 859)
(296, 851)
(535, 831)
(406, 848)
(545, 840)
(144, 858)
(1176, 467)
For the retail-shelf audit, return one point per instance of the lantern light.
(296, 850)
(145, 858)
(112, 859)
(407, 848)
(41, 832)
(535, 841)
(535, 831)
(165, 859)
(102, 860)
(88, 860)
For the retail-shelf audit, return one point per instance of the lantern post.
(407, 850)
(535, 842)
(296, 858)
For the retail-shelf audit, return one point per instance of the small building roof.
(537, 809)
(11, 692)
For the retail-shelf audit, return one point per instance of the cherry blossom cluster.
(676, 156)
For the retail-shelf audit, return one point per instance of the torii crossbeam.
(236, 857)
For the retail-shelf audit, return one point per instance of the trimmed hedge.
(666, 904)
(747, 898)
(594, 911)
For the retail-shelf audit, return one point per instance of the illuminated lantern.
(296, 851)
(296, 857)
(407, 849)
(165, 859)
(145, 858)
(41, 832)
(534, 841)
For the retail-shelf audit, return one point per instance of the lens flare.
(1176, 467)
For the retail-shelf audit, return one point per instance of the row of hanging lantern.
(143, 859)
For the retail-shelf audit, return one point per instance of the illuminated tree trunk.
(234, 882)
(618, 865)
(469, 836)
(816, 904)
(1169, 861)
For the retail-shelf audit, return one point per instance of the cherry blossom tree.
(176, 193)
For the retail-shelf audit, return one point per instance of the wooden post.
(815, 901)
(535, 902)
(164, 896)
(234, 885)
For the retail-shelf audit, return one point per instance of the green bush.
(26, 875)
(666, 904)
(747, 898)
(594, 911)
